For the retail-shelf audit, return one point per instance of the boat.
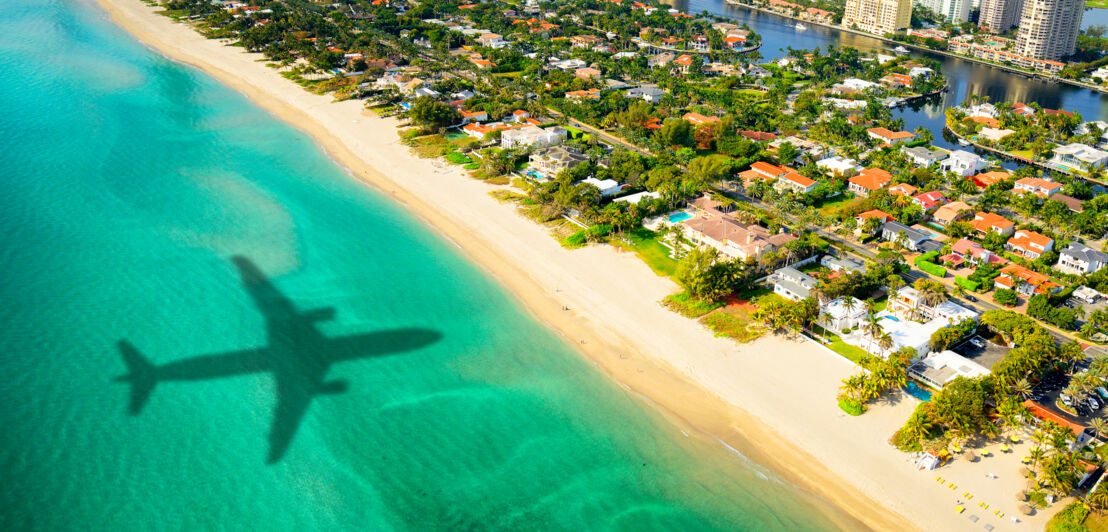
(800, 26)
(963, 142)
(900, 50)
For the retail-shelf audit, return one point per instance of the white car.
(977, 342)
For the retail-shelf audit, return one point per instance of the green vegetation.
(967, 284)
(851, 406)
(649, 247)
(688, 306)
(732, 326)
(458, 158)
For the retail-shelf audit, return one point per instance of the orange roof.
(876, 213)
(890, 135)
(684, 60)
(767, 169)
(468, 114)
(1015, 271)
(987, 221)
(985, 179)
(903, 189)
(991, 122)
(697, 118)
(872, 178)
(798, 179)
(1030, 241)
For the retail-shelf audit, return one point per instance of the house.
(994, 134)
(924, 156)
(858, 85)
(986, 179)
(791, 284)
(532, 136)
(883, 135)
(607, 187)
(706, 205)
(1026, 282)
(845, 264)
(761, 171)
(492, 40)
(758, 136)
(473, 116)
(483, 64)
(843, 313)
(758, 72)
(902, 189)
(587, 94)
(939, 369)
(697, 119)
(660, 60)
(1080, 259)
(518, 116)
(634, 199)
(912, 239)
(949, 213)
(648, 93)
(839, 166)
(585, 41)
(1074, 204)
(874, 214)
(908, 304)
(1029, 244)
(987, 222)
(732, 238)
(1044, 188)
(796, 182)
(930, 200)
(966, 251)
(869, 181)
(1078, 157)
(550, 161)
(963, 163)
(587, 73)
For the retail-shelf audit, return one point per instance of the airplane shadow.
(298, 356)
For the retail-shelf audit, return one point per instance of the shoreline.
(787, 422)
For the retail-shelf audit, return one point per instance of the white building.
(532, 136)
(1080, 259)
(607, 187)
(1078, 157)
(963, 163)
(839, 166)
(938, 369)
(843, 313)
(792, 284)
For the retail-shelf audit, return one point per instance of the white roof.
(604, 185)
(838, 164)
(837, 309)
(960, 365)
(636, 198)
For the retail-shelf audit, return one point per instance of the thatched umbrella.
(1025, 472)
(1021, 496)
(971, 456)
(1027, 509)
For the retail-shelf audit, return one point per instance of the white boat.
(963, 142)
(800, 26)
(900, 50)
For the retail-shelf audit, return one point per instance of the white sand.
(774, 400)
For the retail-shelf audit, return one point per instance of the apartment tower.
(1048, 28)
(999, 15)
(878, 16)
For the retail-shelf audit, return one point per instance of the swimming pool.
(893, 318)
(914, 390)
(679, 217)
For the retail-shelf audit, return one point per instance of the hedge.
(930, 267)
(972, 286)
(850, 406)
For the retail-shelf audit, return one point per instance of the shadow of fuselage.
(298, 355)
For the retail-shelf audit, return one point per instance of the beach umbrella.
(971, 456)
(1027, 509)
(1025, 472)
(1021, 496)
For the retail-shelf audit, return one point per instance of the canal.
(963, 77)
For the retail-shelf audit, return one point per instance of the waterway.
(964, 78)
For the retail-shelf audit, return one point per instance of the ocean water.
(151, 217)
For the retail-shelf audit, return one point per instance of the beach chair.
(959, 509)
(1026, 459)
(1004, 448)
(939, 478)
(1014, 439)
(985, 452)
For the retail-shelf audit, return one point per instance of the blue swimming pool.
(914, 390)
(893, 318)
(679, 217)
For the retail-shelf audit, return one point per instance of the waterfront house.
(731, 237)
(533, 136)
(550, 161)
(951, 212)
(843, 313)
(886, 136)
(661, 60)
(1030, 244)
(792, 284)
(963, 163)
(987, 222)
(986, 179)
(1044, 188)
(869, 181)
(607, 187)
(924, 156)
(940, 369)
(1078, 157)
(1074, 204)
(1080, 259)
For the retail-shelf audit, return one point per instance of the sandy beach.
(773, 400)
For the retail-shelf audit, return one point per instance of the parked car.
(1102, 392)
(1093, 403)
(1066, 400)
(977, 342)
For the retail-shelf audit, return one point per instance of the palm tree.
(872, 329)
(1023, 388)
(1097, 500)
(885, 342)
(1100, 425)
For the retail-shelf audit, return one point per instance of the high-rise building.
(878, 16)
(953, 11)
(999, 15)
(1048, 28)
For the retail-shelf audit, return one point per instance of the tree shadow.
(298, 355)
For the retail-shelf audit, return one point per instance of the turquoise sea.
(129, 184)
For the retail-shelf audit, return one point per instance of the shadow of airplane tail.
(141, 376)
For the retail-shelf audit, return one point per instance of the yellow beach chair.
(1014, 439)
(1026, 459)
(1004, 448)
(953, 486)
(939, 478)
(959, 509)
(984, 505)
(985, 452)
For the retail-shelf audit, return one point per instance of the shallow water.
(414, 393)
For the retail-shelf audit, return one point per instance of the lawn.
(1027, 154)
(688, 306)
(1103, 4)
(431, 146)
(656, 255)
(831, 206)
(852, 353)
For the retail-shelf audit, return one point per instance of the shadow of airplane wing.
(381, 343)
